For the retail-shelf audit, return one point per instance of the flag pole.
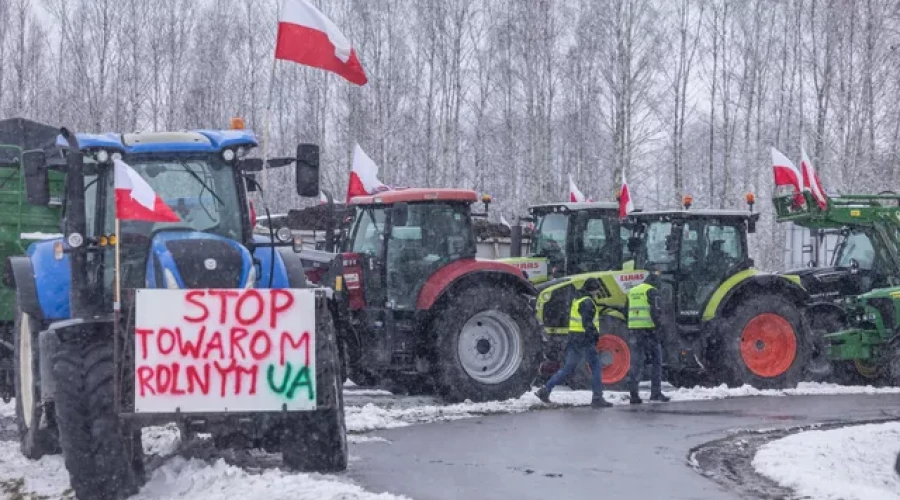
(116, 313)
(117, 303)
(265, 177)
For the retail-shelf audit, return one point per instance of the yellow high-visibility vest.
(639, 308)
(575, 324)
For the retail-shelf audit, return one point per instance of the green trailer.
(20, 222)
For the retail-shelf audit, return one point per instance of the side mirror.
(251, 182)
(37, 182)
(399, 214)
(751, 226)
(308, 170)
(854, 266)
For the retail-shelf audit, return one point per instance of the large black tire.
(35, 440)
(775, 349)
(615, 354)
(689, 379)
(96, 451)
(316, 441)
(894, 362)
(473, 323)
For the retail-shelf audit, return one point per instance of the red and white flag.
(363, 176)
(306, 36)
(626, 206)
(136, 200)
(786, 174)
(575, 195)
(811, 180)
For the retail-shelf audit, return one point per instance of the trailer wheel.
(93, 441)
(615, 355)
(763, 344)
(316, 441)
(35, 441)
(488, 344)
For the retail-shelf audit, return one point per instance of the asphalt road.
(573, 453)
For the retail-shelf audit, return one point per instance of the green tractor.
(870, 345)
(20, 222)
(867, 257)
(571, 238)
(732, 323)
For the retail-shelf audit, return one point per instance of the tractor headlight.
(283, 234)
(102, 156)
(870, 317)
(251, 278)
(545, 296)
(169, 278)
(228, 154)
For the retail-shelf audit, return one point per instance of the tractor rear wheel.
(762, 344)
(488, 345)
(316, 441)
(93, 442)
(35, 441)
(615, 355)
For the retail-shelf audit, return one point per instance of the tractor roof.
(696, 214)
(574, 206)
(412, 195)
(203, 141)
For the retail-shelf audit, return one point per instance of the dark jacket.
(656, 307)
(587, 309)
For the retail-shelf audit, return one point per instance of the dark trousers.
(576, 353)
(644, 344)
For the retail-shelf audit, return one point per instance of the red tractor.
(416, 310)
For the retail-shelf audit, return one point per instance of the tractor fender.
(42, 282)
(452, 274)
(19, 275)
(747, 283)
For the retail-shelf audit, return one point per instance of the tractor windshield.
(200, 190)
(549, 237)
(855, 247)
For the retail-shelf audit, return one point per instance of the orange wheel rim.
(617, 349)
(768, 345)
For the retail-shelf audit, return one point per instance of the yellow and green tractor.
(571, 238)
(728, 322)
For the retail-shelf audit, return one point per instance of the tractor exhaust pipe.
(515, 241)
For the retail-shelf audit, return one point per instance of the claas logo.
(631, 277)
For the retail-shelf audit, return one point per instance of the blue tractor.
(74, 353)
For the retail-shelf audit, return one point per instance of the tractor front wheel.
(615, 356)
(488, 344)
(762, 344)
(93, 440)
(35, 440)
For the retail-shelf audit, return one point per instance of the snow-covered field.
(180, 477)
(849, 463)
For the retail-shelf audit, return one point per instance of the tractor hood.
(191, 259)
(826, 283)
(534, 268)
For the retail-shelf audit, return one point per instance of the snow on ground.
(373, 416)
(849, 463)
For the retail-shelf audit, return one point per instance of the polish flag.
(626, 206)
(363, 176)
(136, 200)
(306, 36)
(504, 221)
(811, 180)
(786, 174)
(575, 195)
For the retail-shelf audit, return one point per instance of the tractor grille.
(191, 256)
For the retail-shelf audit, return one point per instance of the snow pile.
(850, 463)
(181, 478)
(372, 417)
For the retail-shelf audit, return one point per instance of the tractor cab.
(695, 252)
(573, 238)
(402, 237)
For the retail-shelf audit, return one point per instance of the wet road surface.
(573, 453)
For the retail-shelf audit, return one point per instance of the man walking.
(584, 332)
(644, 321)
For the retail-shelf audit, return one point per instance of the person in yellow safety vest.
(644, 319)
(584, 332)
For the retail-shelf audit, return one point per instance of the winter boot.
(543, 394)
(600, 403)
(635, 398)
(662, 398)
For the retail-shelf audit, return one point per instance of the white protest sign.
(224, 350)
(630, 279)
